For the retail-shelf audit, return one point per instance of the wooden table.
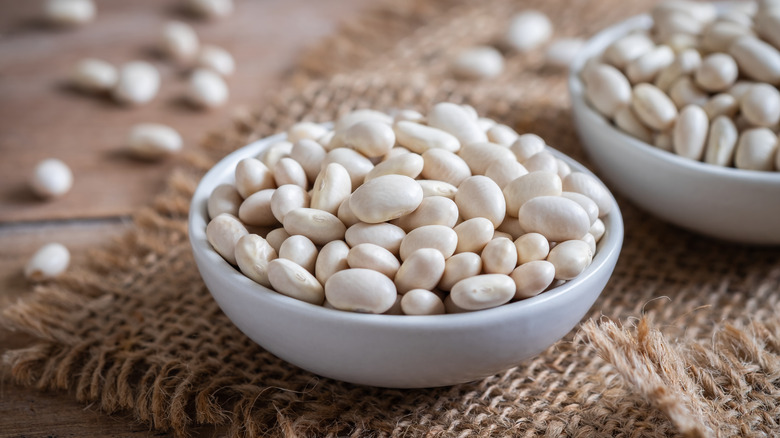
(41, 117)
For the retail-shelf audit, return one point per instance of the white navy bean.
(433, 210)
(555, 217)
(481, 62)
(455, 120)
(419, 138)
(319, 226)
(370, 256)
(51, 178)
(385, 198)
(480, 196)
(300, 250)
(291, 279)
(94, 75)
(409, 164)
(761, 105)
(653, 107)
(531, 247)
(474, 234)
(528, 30)
(388, 236)
(224, 199)
(216, 59)
(153, 141)
(286, 198)
(532, 278)
(689, 135)
(331, 259)
(528, 186)
(223, 233)
(499, 256)
(483, 291)
(137, 84)
(307, 152)
(422, 302)
(49, 261)
(207, 89)
(721, 142)
(360, 290)
(570, 258)
(253, 253)
(443, 165)
(756, 149)
(607, 89)
(439, 237)
(421, 270)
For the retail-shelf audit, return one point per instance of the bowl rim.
(595, 46)
(221, 173)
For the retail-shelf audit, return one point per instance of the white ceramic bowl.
(394, 350)
(726, 203)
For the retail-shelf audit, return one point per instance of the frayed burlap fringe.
(135, 329)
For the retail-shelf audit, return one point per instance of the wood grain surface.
(41, 116)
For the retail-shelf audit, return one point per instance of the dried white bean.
(555, 217)
(499, 256)
(153, 141)
(256, 209)
(179, 41)
(528, 30)
(69, 12)
(686, 62)
(690, 132)
(504, 172)
(607, 89)
(291, 279)
(223, 233)
(598, 229)
(360, 290)
(628, 48)
(532, 278)
(253, 253)
(94, 75)
(527, 145)
(761, 105)
(458, 267)
(501, 134)
(276, 237)
(453, 119)
(542, 162)
(481, 62)
(300, 250)
(756, 59)
(216, 59)
(570, 258)
(252, 176)
(592, 188)
(319, 226)
(684, 91)
(224, 199)
(275, 152)
(437, 188)
(721, 142)
(483, 291)
(138, 83)
(385, 198)
(388, 236)
(530, 186)
(723, 104)
(49, 261)
(357, 164)
(207, 89)
(286, 198)
(289, 171)
(474, 234)
(308, 153)
(419, 138)
(443, 165)
(646, 67)
(369, 137)
(422, 302)
(370, 256)
(421, 270)
(331, 259)
(409, 164)
(718, 36)
(585, 202)
(756, 149)
(480, 196)
(531, 247)
(653, 107)
(439, 237)
(717, 72)
(433, 210)
(346, 215)
(331, 188)
(51, 178)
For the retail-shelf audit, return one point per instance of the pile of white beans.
(701, 83)
(412, 214)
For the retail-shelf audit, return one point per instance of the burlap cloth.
(683, 341)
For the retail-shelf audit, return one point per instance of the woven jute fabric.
(684, 340)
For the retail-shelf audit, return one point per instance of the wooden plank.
(41, 117)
